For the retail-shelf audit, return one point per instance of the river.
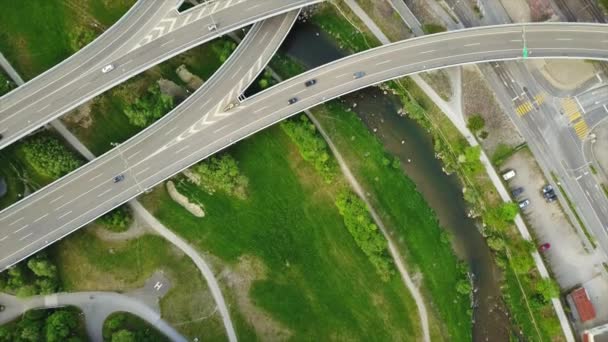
(442, 192)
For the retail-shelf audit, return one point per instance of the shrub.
(311, 145)
(433, 28)
(117, 220)
(476, 123)
(221, 173)
(366, 234)
(48, 156)
(149, 108)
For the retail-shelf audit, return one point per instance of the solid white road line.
(425, 52)
(4, 238)
(472, 44)
(94, 178)
(384, 62)
(580, 105)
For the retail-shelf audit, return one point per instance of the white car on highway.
(107, 68)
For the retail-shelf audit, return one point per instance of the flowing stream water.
(405, 139)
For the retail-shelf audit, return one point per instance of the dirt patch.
(193, 208)
(518, 10)
(193, 81)
(565, 74)
(478, 98)
(240, 279)
(540, 10)
(81, 116)
(440, 81)
(168, 87)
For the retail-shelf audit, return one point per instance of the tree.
(547, 288)
(476, 123)
(60, 324)
(42, 267)
(123, 335)
(470, 159)
(463, 287)
(6, 334)
(117, 220)
(499, 217)
(30, 330)
(149, 108)
(49, 156)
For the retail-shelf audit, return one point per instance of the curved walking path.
(96, 306)
(148, 218)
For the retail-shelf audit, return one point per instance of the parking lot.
(571, 264)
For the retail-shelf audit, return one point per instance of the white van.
(508, 174)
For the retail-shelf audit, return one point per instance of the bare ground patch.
(479, 99)
(240, 278)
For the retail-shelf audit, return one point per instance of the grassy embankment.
(310, 276)
(536, 318)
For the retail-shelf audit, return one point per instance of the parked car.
(524, 203)
(517, 191)
(310, 83)
(358, 74)
(107, 68)
(549, 193)
(119, 178)
(545, 246)
(293, 100)
(508, 174)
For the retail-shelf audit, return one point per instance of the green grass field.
(404, 210)
(34, 35)
(318, 284)
(87, 263)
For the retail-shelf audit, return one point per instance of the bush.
(501, 216)
(149, 108)
(48, 156)
(118, 220)
(223, 49)
(501, 154)
(311, 145)
(221, 173)
(44, 325)
(548, 289)
(366, 234)
(5, 84)
(476, 123)
(36, 275)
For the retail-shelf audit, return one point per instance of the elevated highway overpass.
(150, 33)
(199, 127)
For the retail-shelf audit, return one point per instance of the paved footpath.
(458, 121)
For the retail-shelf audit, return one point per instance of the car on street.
(524, 203)
(517, 191)
(293, 100)
(1, 308)
(358, 74)
(107, 68)
(310, 83)
(545, 246)
(119, 178)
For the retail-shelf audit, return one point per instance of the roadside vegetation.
(118, 220)
(148, 108)
(126, 327)
(48, 156)
(6, 84)
(219, 172)
(33, 276)
(53, 325)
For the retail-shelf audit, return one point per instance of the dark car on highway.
(119, 178)
(310, 83)
(293, 100)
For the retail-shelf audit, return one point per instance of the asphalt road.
(200, 127)
(150, 33)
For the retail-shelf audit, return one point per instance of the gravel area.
(571, 264)
(565, 74)
(478, 98)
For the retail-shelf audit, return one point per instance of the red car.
(544, 247)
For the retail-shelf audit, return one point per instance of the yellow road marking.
(581, 128)
(573, 116)
(524, 108)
